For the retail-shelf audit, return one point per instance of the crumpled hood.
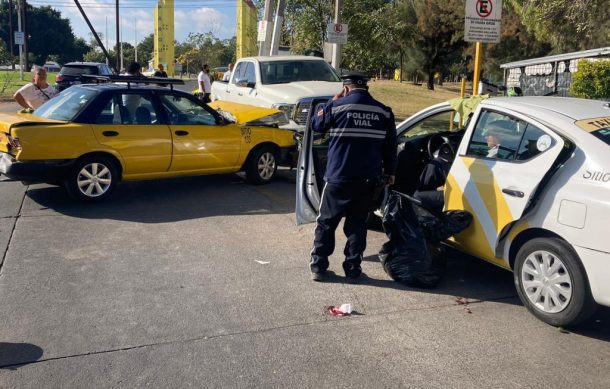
(291, 92)
(244, 113)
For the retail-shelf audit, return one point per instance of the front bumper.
(34, 171)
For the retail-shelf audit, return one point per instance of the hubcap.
(94, 179)
(266, 166)
(546, 282)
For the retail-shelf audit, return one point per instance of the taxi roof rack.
(135, 79)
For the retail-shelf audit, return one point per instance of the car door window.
(239, 71)
(496, 136)
(128, 108)
(534, 142)
(250, 74)
(441, 122)
(182, 110)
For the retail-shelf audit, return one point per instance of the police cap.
(354, 78)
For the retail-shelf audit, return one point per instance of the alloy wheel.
(266, 166)
(94, 179)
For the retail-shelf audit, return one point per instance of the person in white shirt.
(493, 142)
(132, 101)
(205, 85)
(37, 92)
(227, 75)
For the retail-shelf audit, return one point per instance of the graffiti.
(541, 85)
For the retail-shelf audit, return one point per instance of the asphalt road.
(203, 282)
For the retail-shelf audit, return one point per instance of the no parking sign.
(483, 21)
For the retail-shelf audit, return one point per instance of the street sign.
(336, 33)
(483, 21)
(19, 38)
(262, 31)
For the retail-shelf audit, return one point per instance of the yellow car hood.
(244, 113)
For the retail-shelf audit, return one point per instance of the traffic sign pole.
(478, 48)
(336, 62)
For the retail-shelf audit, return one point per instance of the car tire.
(92, 179)
(552, 283)
(261, 165)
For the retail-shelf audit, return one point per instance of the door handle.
(110, 133)
(240, 94)
(181, 132)
(514, 193)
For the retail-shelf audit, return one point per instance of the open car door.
(503, 159)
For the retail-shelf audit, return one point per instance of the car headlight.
(288, 109)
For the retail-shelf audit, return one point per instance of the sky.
(199, 16)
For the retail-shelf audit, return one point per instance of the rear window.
(598, 127)
(283, 72)
(603, 134)
(77, 70)
(67, 104)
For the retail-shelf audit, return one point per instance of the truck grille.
(304, 106)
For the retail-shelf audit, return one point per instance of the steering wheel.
(442, 141)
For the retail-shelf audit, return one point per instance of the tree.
(306, 22)
(48, 34)
(439, 36)
(570, 25)
(146, 49)
(591, 80)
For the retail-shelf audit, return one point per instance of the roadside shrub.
(591, 80)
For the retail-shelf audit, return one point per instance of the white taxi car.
(535, 174)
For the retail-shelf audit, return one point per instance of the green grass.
(10, 82)
(405, 98)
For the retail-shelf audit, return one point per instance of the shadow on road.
(177, 199)
(15, 355)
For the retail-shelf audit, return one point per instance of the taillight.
(14, 142)
(59, 77)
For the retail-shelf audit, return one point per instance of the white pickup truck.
(290, 83)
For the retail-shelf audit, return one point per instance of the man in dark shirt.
(160, 72)
(362, 147)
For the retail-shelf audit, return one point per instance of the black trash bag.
(440, 227)
(406, 257)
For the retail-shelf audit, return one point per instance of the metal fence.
(550, 75)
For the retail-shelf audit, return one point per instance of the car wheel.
(92, 179)
(552, 283)
(261, 165)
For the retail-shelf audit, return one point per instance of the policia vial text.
(363, 119)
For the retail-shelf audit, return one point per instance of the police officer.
(362, 148)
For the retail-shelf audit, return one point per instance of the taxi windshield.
(66, 105)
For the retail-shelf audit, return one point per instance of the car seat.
(142, 115)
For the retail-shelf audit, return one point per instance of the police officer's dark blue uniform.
(362, 147)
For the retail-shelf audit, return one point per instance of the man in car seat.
(433, 178)
(362, 146)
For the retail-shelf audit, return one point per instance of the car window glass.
(250, 75)
(534, 142)
(77, 70)
(238, 72)
(182, 110)
(496, 136)
(434, 124)
(128, 108)
(67, 104)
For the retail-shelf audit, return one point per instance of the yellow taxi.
(92, 136)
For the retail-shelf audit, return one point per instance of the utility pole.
(25, 33)
(135, 43)
(118, 47)
(20, 45)
(107, 59)
(277, 27)
(10, 34)
(121, 44)
(263, 48)
(336, 61)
